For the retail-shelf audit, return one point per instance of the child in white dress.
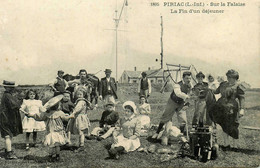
(32, 105)
(56, 135)
(80, 123)
(144, 112)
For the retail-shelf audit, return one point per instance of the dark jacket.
(184, 88)
(10, 118)
(103, 87)
(201, 90)
(67, 107)
(109, 118)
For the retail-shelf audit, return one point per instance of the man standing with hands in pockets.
(108, 87)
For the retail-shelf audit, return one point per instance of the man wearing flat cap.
(108, 87)
(10, 118)
(144, 86)
(178, 99)
(59, 85)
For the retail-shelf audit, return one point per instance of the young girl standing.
(80, 123)
(56, 135)
(32, 105)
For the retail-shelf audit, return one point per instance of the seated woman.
(144, 112)
(106, 124)
(126, 138)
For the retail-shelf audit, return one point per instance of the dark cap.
(200, 74)
(142, 96)
(60, 71)
(144, 73)
(210, 76)
(186, 73)
(66, 91)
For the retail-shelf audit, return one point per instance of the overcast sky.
(37, 38)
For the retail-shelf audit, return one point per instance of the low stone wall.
(44, 92)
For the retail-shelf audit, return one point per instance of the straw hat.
(131, 104)
(9, 83)
(53, 101)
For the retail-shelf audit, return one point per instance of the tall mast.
(117, 19)
(161, 42)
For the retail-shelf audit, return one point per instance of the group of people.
(225, 110)
(66, 113)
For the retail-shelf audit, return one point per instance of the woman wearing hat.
(229, 107)
(127, 138)
(10, 119)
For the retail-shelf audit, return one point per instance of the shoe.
(194, 126)
(185, 149)
(57, 158)
(112, 153)
(100, 138)
(80, 149)
(226, 148)
(116, 156)
(155, 136)
(90, 137)
(10, 155)
(52, 158)
(27, 147)
(34, 145)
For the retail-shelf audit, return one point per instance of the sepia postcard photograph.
(129, 83)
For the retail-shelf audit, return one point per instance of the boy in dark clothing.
(200, 89)
(106, 124)
(67, 107)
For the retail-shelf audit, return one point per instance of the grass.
(95, 153)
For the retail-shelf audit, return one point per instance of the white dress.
(55, 135)
(81, 121)
(129, 127)
(29, 123)
(144, 110)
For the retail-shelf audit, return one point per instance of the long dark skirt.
(11, 124)
(225, 113)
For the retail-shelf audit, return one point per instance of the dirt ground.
(95, 154)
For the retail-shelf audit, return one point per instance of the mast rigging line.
(125, 4)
